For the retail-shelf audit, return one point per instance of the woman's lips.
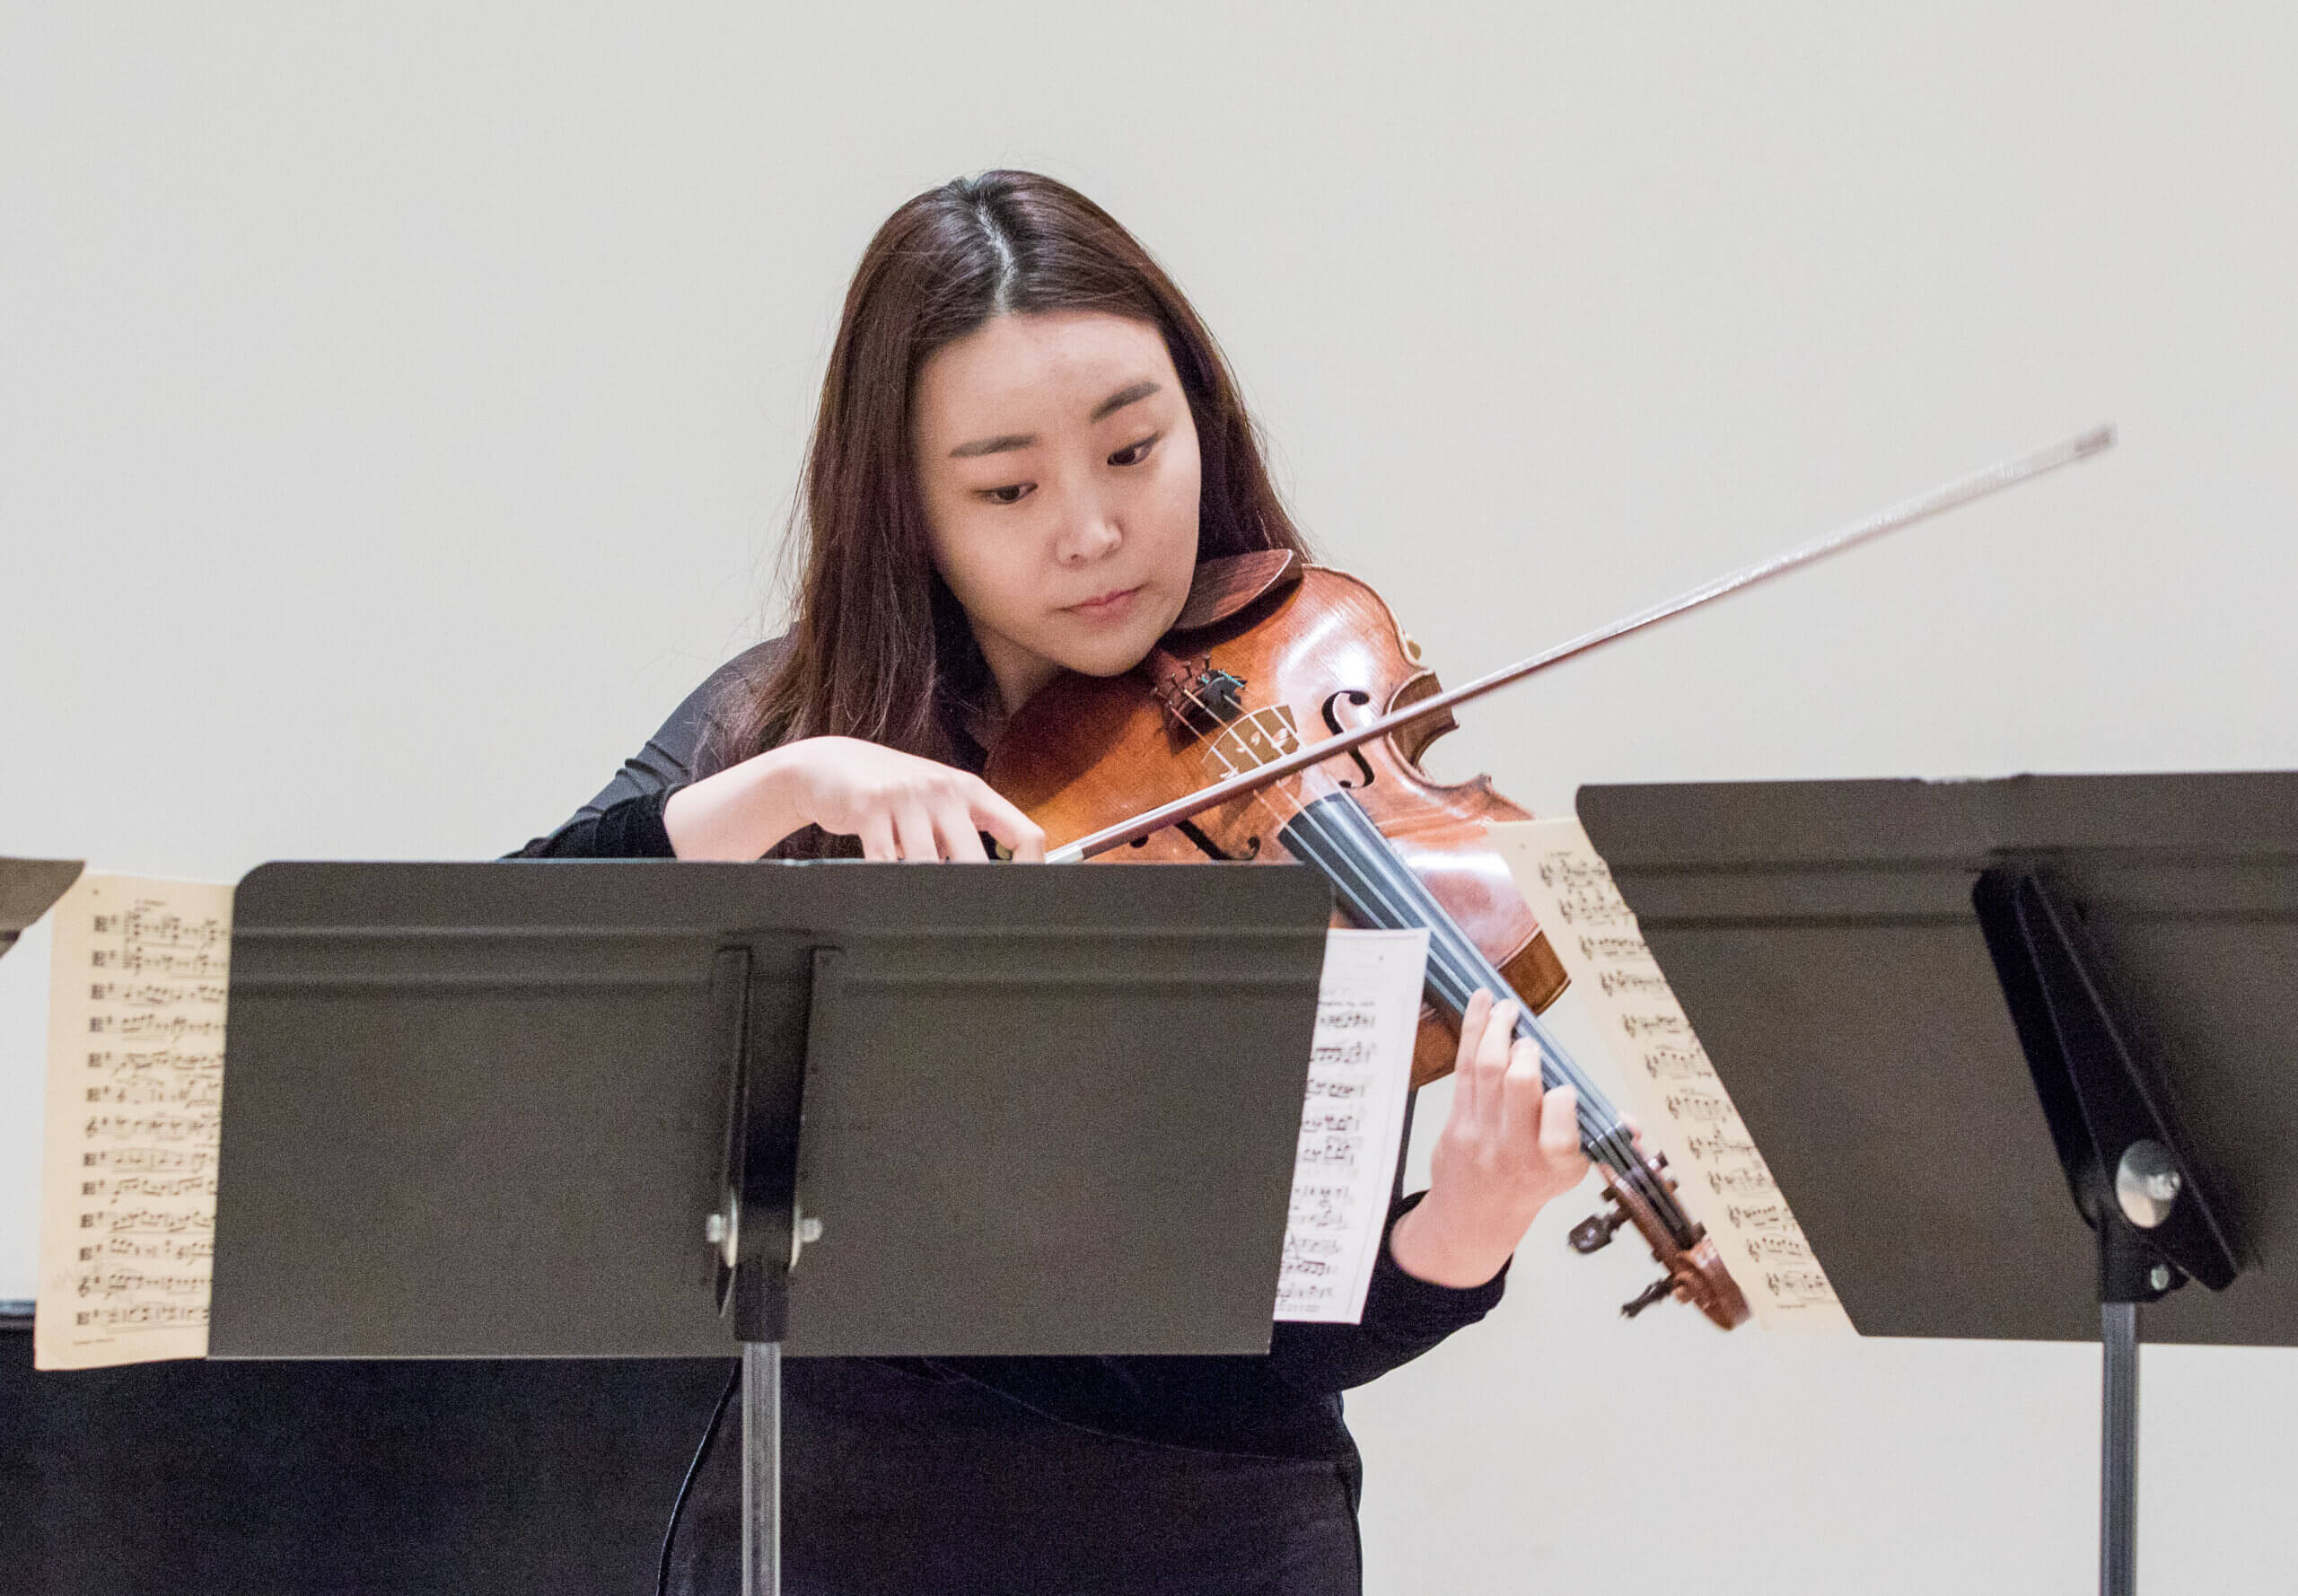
(1108, 606)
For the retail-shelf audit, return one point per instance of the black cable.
(686, 1485)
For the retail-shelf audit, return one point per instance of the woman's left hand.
(1506, 1151)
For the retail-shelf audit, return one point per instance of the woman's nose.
(1087, 535)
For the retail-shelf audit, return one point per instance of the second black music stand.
(2095, 972)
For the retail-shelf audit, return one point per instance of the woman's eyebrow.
(1132, 395)
(996, 446)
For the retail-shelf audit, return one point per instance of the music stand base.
(761, 1469)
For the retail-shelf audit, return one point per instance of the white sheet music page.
(1671, 1087)
(134, 1088)
(1360, 1075)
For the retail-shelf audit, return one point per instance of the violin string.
(1465, 978)
(1440, 950)
(1456, 960)
(1605, 1142)
(1603, 1138)
(1458, 968)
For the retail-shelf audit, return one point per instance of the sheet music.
(1671, 1087)
(1360, 1075)
(134, 1085)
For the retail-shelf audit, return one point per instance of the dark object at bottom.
(1067, 1510)
(556, 1478)
(299, 1478)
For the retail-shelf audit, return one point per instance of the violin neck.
(1378, 890)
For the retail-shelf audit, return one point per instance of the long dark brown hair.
(879, 648)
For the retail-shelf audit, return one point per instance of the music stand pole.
(2119, 1447)
(761, 1468)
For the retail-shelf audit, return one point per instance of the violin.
(1267, 649)
(1282, 718)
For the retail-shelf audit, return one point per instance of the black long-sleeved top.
(1055, 1420)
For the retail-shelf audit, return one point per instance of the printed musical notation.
(1360, 1073)
(135, 1091)
(1670, 1083)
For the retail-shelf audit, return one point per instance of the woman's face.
(1060, 468)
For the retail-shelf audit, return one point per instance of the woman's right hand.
(901, 806)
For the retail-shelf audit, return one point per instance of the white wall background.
(398, 410)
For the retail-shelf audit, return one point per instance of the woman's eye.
(1132, 454)
(1012, 493)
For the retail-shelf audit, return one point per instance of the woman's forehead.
(1028, 371)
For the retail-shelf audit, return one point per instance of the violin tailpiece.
(1200, 698)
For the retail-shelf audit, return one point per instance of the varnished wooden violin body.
(1271, 654)
(1303, 652)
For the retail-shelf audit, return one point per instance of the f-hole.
(1358, 698)
(1211, 849)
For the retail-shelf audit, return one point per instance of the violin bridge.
(1251, 741)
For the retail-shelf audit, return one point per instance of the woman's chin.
(1106, 661)
(1112, 652)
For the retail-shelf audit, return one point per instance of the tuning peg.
(1657, 1292)
(1594, 1232)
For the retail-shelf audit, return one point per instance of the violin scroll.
(1695, 1269)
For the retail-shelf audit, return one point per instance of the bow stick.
(1952, 495)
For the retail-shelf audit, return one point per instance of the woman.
(1027, 442)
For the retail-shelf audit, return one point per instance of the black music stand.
(2097, 969)
(28, 888)
(602, 1109)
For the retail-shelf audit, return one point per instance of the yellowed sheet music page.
(134, 1085)
(1671, 1087)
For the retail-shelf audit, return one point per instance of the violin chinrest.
(1224, 586)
